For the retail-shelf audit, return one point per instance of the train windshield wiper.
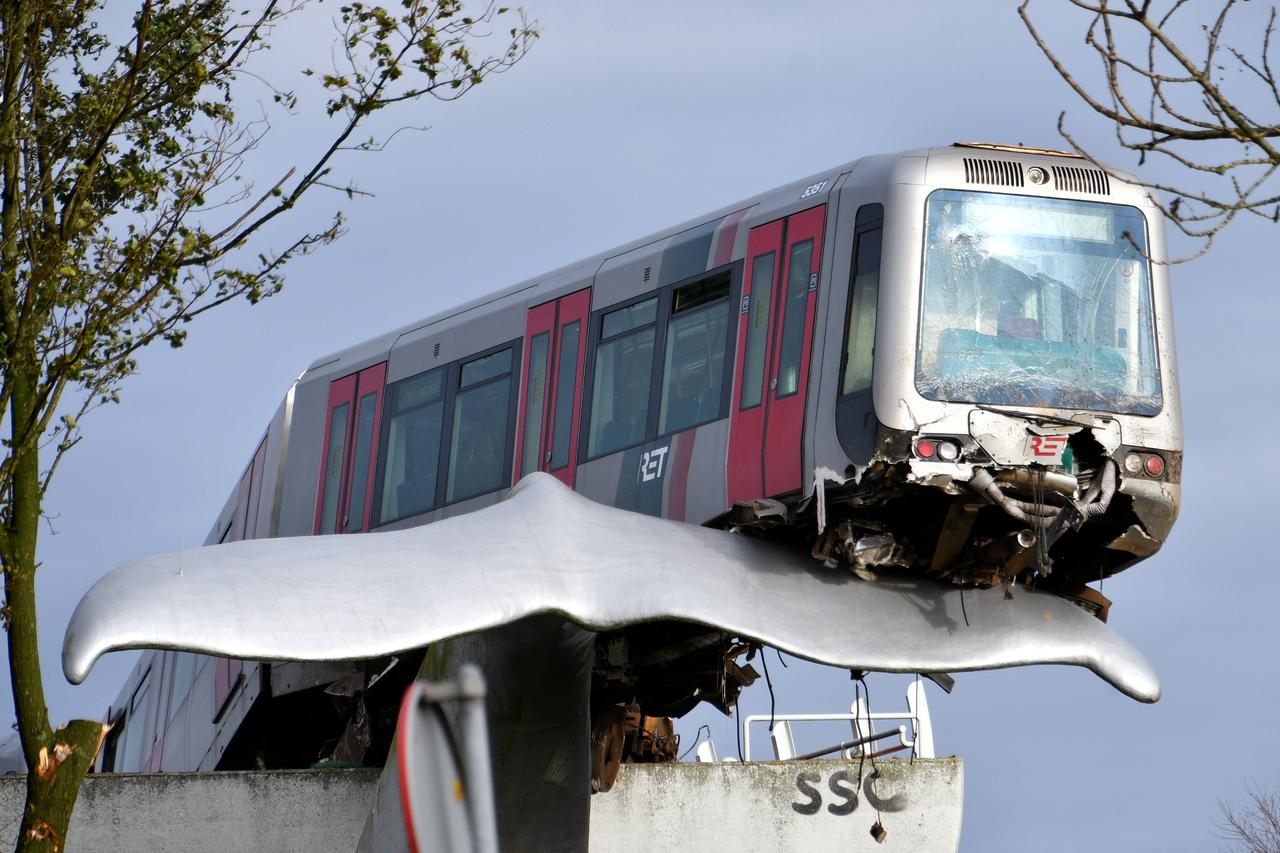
(1031, 416)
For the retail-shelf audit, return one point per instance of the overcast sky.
(626, 119)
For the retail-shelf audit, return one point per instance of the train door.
(775, 341)
(551, 396)
(351, 451)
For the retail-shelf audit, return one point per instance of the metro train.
(954, 363)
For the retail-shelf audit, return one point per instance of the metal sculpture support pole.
(476, 762)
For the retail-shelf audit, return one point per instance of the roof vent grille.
(982, 171)
(1076, 180)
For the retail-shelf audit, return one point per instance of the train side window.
(757, 330)
(184, 674)
(413, 446)
(694, 363)
(623, 373)
(860, 335)
(535, 400)
(793, 318)
(565, 386)
(478, 443)
(129, 757)
(109, 757)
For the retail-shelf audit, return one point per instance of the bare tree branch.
(1164, 102)
(1255, 828)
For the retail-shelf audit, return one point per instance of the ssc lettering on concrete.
(839, 791)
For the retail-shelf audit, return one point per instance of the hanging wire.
(781, 660)
(737, 729)
(1041, 533)
(764, 661)
(697, 739)
(861, 679)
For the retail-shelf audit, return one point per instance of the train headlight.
(1133, 463)
(1037, 176)
(948, 451)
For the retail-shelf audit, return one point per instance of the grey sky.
(625, 119)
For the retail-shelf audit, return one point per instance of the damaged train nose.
(1055, 500)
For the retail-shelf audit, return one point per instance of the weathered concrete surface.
(812, 806)
(283, 811)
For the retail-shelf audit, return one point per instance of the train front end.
(1020, 417)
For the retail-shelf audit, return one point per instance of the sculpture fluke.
(546, 549)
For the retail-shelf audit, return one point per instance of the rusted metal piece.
(1027, 480)
(956, 528)
(608, 739)
(1135, 541)
(1089, 600)
(649, 739)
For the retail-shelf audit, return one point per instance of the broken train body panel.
(955, 361)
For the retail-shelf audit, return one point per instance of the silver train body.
(956, 362)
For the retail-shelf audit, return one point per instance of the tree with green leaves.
(126, 212)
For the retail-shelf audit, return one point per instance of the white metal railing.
(862, 722)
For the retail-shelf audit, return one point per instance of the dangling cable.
(764, 661)
(697, 739)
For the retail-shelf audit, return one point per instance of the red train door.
(551, 388)
(775, 343)
(351, 451)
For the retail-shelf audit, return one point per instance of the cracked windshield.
(1036, 302)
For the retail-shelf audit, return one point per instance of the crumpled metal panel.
(545, 549)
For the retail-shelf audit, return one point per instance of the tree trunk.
(56, 760)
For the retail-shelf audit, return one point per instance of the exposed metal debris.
(1053, 501)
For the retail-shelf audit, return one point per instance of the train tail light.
(1151, 464)
(1154, 465)
(944, 449)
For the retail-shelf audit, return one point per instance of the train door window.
(757, 329)
(566, 386)
(774, 338)
(478, 442)
(623, 372)
(549, 422)
(347, 469)
(793, 321)
(366, 414)
(861, 328)
(694, 362)
(333, 467)
(412, 466)
(535, 400)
